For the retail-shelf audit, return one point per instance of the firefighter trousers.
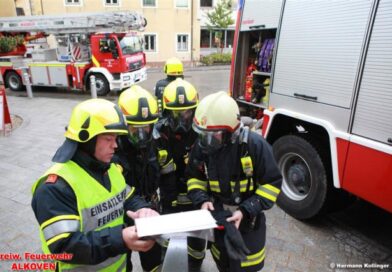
(254, 238)
(150, 260)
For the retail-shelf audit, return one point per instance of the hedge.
(216, 58)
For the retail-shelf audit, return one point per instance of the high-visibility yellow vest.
(98, 208)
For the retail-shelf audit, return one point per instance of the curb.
(196, 68)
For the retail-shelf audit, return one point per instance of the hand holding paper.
(132, 241)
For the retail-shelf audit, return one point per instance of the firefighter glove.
(235, 245)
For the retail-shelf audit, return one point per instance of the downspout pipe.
(191, 45)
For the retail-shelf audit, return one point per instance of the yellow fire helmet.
(180, 95)
(93, 117)
(138, 106)
(89, 119)
(217, 111)
(173, 67)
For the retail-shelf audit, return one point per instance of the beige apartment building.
(174, 27)
(8, 8)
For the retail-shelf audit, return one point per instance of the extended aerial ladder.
(103, 44)
(75, 23)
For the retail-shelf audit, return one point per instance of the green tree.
(218, 19)
(7, 44)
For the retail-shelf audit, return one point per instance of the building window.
(205, 38)
(150, 42)
(218, 42)
(73, 2)
(149, 3)
(206, 3)
(112, 2)
(208, 38)
(181, 3)
(182, 42)
(20, 12)
(229, 38)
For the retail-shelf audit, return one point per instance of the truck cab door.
(108, 54)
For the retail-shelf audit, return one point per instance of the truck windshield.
(131, 45)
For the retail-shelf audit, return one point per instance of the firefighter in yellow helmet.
(173, 69)
(137, 155)
(174, 138)
(80, 201)
(232, 172)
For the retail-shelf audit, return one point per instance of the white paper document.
(173, 223)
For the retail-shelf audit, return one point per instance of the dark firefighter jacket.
(244, 173)
(173, 149)
(140, 167)
(161, 85)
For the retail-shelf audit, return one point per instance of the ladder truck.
(319, 76)
(106, 45)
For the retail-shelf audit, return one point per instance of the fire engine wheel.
(14, 81)
(102, 85)
(304, 187)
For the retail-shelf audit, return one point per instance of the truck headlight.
(127, 78)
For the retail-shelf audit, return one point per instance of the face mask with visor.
(211, 140)
(140, 135)
(181, 120)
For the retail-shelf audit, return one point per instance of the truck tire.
(102, 85)
(14, 81)
(304, 187)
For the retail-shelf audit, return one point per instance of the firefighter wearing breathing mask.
(174, 137)
(232, 169)
(138, 157)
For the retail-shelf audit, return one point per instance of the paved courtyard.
(26, 153)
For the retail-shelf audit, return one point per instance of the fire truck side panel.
(39, 75)
(273, 128)
(79, 72)
(58, 76)
(368, 174)
(319, 50)
(265, 17)
(342, 146)
(5, 65)
(337, 116)
(49, 74)
(372, 118)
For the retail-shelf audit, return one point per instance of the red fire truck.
(105, 45)
(321, 82)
